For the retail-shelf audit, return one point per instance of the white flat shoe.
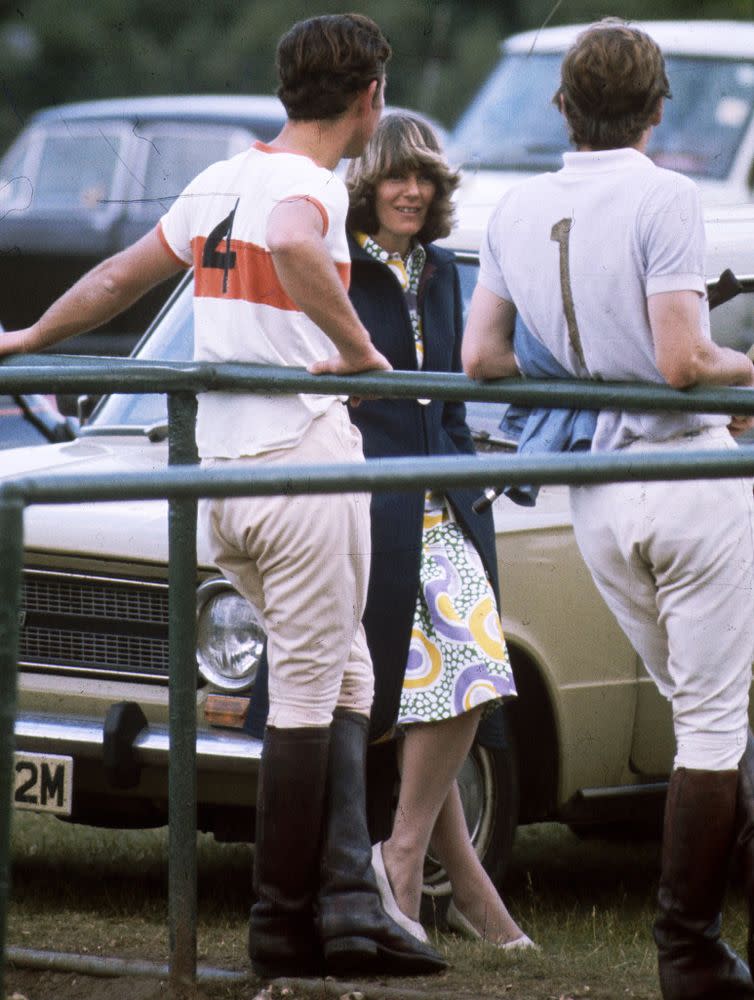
(457, 922)
(389, 904)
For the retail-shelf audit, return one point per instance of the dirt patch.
(33, 985)
(24, 984)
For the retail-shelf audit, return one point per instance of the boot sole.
(364, 955)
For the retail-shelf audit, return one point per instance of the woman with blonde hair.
(431, 620)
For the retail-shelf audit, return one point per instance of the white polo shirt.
(241, 311)
(578, 252)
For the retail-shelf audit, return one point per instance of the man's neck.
(322, 141)
(640, 146)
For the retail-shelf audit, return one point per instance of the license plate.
(43, 782)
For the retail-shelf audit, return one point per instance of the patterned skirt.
(457, 659)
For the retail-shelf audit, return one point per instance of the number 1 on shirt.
(560, 234)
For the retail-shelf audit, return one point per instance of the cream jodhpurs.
(303, 562)
(675, 564)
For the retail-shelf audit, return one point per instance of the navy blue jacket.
(395, 427)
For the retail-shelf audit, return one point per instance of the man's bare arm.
(487, 349)
(309, 276)
(102, 293)
(684, 356)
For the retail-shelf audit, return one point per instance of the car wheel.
(489, 792)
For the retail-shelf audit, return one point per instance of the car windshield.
(170, 339)
(513, 125)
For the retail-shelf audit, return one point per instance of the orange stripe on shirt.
(252, 278)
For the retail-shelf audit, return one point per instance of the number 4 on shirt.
(224, 260)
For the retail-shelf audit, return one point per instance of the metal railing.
(183, 486)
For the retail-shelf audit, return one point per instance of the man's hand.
(369, 360)
(740, 424)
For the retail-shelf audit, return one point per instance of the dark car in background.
(84, 180)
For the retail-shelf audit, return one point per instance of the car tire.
(490, 795)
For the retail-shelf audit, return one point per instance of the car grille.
(104, 626)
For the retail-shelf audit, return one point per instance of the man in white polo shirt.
(265, 234)
(604, 262)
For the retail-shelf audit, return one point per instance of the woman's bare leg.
(430, 809)
(474, 893)
(431, 756)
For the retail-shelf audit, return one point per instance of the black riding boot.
(357, 934)
(694, 963)
(745, 815)
(283, 940)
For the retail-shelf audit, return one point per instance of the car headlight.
(229, 637)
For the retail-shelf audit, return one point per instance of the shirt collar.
(604, 159)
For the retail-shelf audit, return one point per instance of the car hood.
(136, 531)
(132, 530)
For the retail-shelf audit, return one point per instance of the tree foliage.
(51, 52)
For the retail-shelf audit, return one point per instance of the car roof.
(733, 39)
(186, 107)
(219, 107)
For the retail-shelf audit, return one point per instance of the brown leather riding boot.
(700, 816)
(745, 816)
(283, 940)
(357, 935)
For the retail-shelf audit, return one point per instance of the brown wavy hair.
(323, 62)
(401, 143)
(612, 82)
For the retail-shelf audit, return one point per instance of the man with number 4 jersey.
(265, 234)
(603, 260)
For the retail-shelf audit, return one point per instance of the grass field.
(589, 904)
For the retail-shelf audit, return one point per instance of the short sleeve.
(324, 189)
(175, 226)
(672, 237)
(490, 256)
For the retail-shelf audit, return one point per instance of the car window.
(177, 154)
(512, 123)
(15, 183)
(704, 121)
(76, 167)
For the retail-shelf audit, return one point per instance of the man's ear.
(373, 90)
(364, 100)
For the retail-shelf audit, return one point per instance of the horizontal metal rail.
(131, 375)
(379, 475)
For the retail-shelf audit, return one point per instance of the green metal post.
(11, 564)
(182, 879)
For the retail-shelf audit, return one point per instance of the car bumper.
(226, 750)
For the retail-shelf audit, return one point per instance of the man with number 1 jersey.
(604, 262)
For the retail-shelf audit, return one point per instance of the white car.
(511, 130)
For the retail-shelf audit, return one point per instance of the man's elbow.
(685, 371)
(473, 364)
